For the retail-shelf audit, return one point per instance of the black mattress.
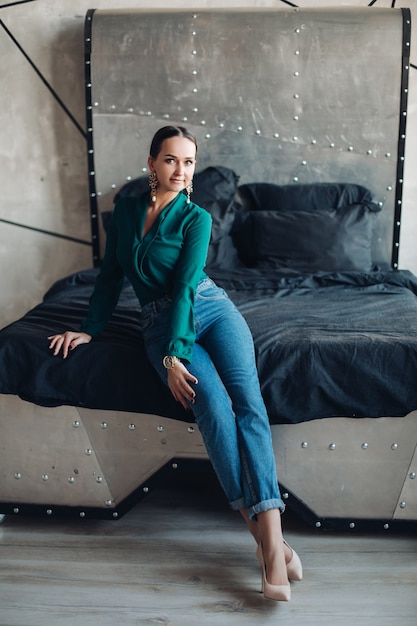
(327, 345)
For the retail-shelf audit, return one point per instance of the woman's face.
(175, 164)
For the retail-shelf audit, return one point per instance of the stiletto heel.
(294, 566)
(272, 592)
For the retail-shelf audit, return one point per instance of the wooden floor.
(183, 558)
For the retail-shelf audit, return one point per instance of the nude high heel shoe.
(279, 593)
(294, 566)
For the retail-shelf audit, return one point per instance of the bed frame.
(300, 98)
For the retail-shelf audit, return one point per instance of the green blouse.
(169, 260)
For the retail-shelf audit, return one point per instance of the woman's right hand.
(67, 341)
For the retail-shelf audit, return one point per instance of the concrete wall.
(44, 206)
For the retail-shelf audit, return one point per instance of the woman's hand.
(67, 341)
(178, 382)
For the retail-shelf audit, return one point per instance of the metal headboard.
(283, 96)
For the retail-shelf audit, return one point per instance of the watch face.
(169, 362)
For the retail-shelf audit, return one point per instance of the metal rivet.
(296, 96)
(82, 514)
(350, 148)
(195, 72)
(88, 452)
(203, 122)
(304, 444)
(115, 514)
(295, 138)
(258, 132)
(314, 141)
(296, 118)
(18, 475)
(195, 109)
(221, 125)
(113, 186)
(388, 154)
(318, 524)
(174, 466)
(45, 477)
(99, 479)
(412, 475)
(389, 188)
(402, 505)
(285, 495)
(190, 429)
(296, 52)
(132, 427)
(296, 73)
(195, 90)
(295, 179)
(331, 145)
(160, 429)
(109, 502)
(352, 525)
(76, 424)
(298, 30)
(49, 511)
(71, 479)
(16, 510)
(332, 446)
(364, 446)
(145, 489)
(207, 136)
(369, 152)
(394, 446)
(386, 526)
(239, 129)
(185, 119)
(128, 178)
(303, 162)
(194, 52)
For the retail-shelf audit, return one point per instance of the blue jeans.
(229, 409)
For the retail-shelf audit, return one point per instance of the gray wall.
(43, 166)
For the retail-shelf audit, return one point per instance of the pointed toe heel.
(279, 593)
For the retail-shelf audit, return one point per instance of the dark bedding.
(328, 344)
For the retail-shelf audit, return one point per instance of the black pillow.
(214, 190)
(299, 197)
(307, 241)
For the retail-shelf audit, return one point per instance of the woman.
(197, 341)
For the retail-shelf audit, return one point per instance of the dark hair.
(165, 133)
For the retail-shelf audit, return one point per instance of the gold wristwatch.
(169, 361)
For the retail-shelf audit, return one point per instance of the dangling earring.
(153, 184)
(189, 191)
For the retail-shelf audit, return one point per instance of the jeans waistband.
(159, 305)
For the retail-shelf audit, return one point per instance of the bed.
(305, 240)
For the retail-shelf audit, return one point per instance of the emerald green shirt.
(169, 260)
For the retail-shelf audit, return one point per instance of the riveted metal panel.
(284, 96)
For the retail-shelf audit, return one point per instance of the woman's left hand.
(179, 379)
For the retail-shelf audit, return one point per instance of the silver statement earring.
(153, 184)
(189, 191)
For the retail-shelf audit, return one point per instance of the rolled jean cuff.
(266, 505)
(236, 505)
